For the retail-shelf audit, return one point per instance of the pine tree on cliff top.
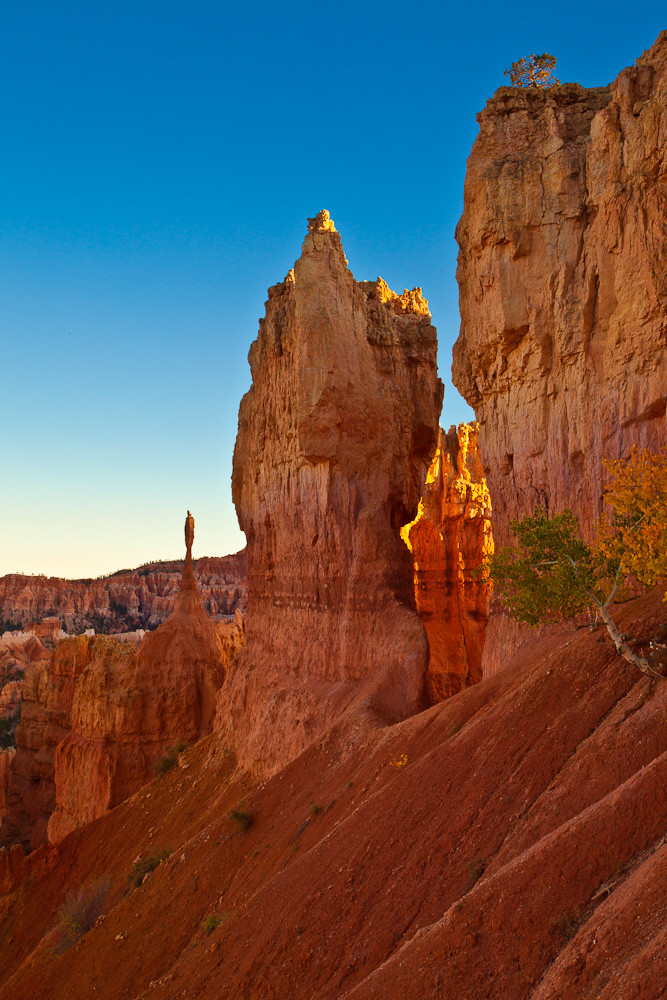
(533, 72)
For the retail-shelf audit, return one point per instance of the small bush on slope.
(147, 863)
(80, 912)
(170, 757)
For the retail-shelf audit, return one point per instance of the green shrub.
(211, 923)
(80, 912)
(242, 819)
(147, 863)
(170, 757)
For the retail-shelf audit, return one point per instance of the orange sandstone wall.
(335, 438)
(563, 294)
(449, 540)
(48, 691)
(563, 286)
(6, 757)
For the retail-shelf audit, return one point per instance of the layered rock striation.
(450, 539)
(335, 437)
(128, 599)
(563, 286)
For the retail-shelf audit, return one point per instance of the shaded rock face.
(129, 705)
(449, 540)
(335, 437)
(97, 716)
(129, 599)
(563, 286)
(6, 757)
(15, 658)
(48, 691)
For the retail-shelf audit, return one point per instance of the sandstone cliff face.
(6, 757)
(563, 286)
(128, 599)
(335, 438)
(15, 658)
(449, 540)
(45, 720)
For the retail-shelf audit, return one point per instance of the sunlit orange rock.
(450, 540)
(563, 286)
(563, 293)
(335, 438)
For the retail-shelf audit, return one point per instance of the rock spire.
(335, 437)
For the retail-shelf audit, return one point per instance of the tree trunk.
(621, 645)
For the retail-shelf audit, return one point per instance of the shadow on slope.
(518, 852)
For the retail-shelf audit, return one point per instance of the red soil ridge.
(519, 854)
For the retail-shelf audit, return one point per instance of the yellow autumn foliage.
(634, 532)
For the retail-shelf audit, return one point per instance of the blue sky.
(159, 162)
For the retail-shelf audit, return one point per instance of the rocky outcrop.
(15, 658)
(449, 540)
(129, 705)
(563, 286)
(6, 757)
(97, 716)
(45, 720)
(335, 437)
(128, 599)
(10, 698)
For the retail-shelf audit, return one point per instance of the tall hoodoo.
(563, 286)
(450, 539)
(335, 437)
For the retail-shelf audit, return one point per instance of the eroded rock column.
(450, 539)
(335, 438)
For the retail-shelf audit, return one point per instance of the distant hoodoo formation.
(97, 716)
(563, 286)
(450, 539)
(335, 438)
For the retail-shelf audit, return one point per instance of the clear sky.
(159, 160)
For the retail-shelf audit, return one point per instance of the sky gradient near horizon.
(159, 163)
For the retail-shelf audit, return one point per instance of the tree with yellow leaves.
(552, 574)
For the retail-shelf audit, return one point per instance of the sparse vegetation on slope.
(553, 574)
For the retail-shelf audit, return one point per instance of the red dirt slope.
(519, 853)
